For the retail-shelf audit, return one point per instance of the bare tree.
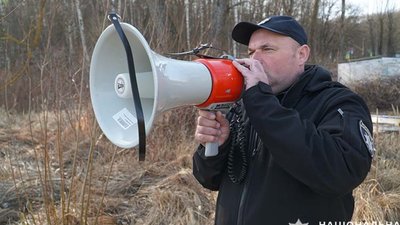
(187, 19)
(69, 31)
(381, 19)
(158, 11)
(313, 27)
(219, 14)
(288, 6)
(342, 23)
(236, 19)
(372, 37)
(391, 29)
(391, 50)
(81, 30)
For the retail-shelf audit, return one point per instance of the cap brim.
(243, 31)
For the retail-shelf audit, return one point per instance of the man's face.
(279, 56)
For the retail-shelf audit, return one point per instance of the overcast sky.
(373, 6)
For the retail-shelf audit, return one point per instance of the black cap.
(284, 25)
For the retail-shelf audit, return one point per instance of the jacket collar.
(313, 79)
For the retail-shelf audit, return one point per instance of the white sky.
(373, 6)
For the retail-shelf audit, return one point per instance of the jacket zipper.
(243, 197)
(240, 215)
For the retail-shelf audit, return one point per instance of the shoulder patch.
(367, 137)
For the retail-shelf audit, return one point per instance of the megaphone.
(163, 84)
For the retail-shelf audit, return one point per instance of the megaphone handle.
(211, 149)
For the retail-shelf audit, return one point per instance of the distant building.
(368, 69)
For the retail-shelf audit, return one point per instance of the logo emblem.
(120, 85)
(264, 21)
(298, 222)
(367, 137)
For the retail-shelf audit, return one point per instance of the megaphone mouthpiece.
(227, 82)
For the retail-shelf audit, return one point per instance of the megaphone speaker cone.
(163, 84)
(110, 85)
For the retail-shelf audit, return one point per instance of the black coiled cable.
(237, 153)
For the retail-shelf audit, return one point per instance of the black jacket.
(312, 156)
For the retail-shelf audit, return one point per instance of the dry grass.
(381, 93)
(59, 170)
(378, 198)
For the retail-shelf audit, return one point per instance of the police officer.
(295, 146)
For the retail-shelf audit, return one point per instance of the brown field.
(57, 168)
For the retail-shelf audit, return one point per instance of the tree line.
(46, 45)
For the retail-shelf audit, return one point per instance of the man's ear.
(303, 54)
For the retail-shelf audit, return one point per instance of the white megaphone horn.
(163, 84)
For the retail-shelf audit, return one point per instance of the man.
(295, 146)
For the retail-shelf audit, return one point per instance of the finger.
(208, 131)
(242, 69)
(220, 117)
(207, 134)
(222, 120)
(251, 64)
(202, 138)
(244, 61)
(207, 114)
(203, 121)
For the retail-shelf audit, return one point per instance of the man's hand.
(252, 71)
(211, 127)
